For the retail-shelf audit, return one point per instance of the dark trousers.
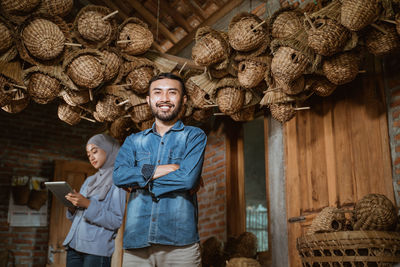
(79, 259)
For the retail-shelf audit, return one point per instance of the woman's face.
(96, 155)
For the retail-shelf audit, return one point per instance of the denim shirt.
(161, 211)
(94, 229)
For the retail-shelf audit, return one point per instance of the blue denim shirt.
(162, 211)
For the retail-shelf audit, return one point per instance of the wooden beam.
(196, 9)
(210, 21)
(152, 20)
(180, 60)
(176, 16)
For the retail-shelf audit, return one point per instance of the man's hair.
(168, 75)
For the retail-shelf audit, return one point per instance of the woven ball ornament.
(356, 14)
(92, 27)
(43, 88)
(69, 114)
(137, 36)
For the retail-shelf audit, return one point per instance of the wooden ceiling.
(173, 22)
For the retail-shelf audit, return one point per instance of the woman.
(99, 209)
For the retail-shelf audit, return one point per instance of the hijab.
(102, 180)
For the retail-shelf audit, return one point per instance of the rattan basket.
(330, 219)
(285, 22)
(375, 212)
(251, 71)
(113, 61)
(56, 7)
(341, 68)
(196, 88)
(326, 36)
(356, 14)
(202, 115)
(211, 47)
(107, 107)
(121, 128)
(379, 43)
(322, 86)
(19, 7)
(242, 262)
(141, 113)
(85, 67)
(138, 72)
(6, 91)
(137, 36)
(349, 248)
(74, 98)
(19, 102)
(6, 38)
(243, 34)
(145, 124)
(43, 88)
(245, 114)
(230, 96)
(282, 112)
(294, 87)
(69, 114)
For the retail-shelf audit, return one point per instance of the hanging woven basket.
(195, 89)
(245, 114)
(6, 91)
(202, 115)
(341, 68)
(330, 219)
(326, 36)
(244, 33)
(141, 113)
(230, 96)
(211, 47)
(74, 98)
(6, 38)
(10, 80)
(85, 67)
(242, 262)
(380, 43)
(56, 7)
(121, 128)
(251, 71)
(294, 87)
(91, 29)
(19, 7)
(285, 22)
(107, 107)
(322, 86)
(282, 112)
(136, 36)
(375, 212)
(144, 125)
(113, 61)
(19, 102)
(288, 64)
(69, 114)
(356, 14)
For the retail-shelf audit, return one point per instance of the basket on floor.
(285, 22)
(69, 114)
(107, 107)
(380, 43)
(356, 14)
(251, 71)
(230, 96)
(141, 112)
(282, 112)
(375, 212)
(136, 36)
(139, 72)
(330, 219)
(349, 248)
(341, 68)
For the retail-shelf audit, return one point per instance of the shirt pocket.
(175, 157)
(142, 157)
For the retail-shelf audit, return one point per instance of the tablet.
(60, 189)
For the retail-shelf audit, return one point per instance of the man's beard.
(166, 117)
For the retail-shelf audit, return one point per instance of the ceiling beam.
(196, 9)
(176, 16)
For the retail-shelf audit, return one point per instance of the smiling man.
(163, 164)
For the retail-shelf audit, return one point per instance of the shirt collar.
(178, 126)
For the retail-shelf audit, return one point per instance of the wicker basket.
(121, 128)
(85, 67)
(6, 39)
(56, 7)
(288, 64)
(98, 117)
(251, 71)
(230, 96)
(202, 115)
(141, 113)
(294, 87)
(19, 7)
(43, 88)
(145, 124)
(211, 47)
(69, 114)
(341, 68)
(74, 98)
(108, 108)
(112, 61)
(379, 43)
(242, 262)
(282, 112)
(197, 95)
(322, 86)
(6, 94)
(285, 23)
(350, 248)
(137, 32)
(375, 212)
(327, 36)
(138, 73)
(37, 198)
(356, 14)
(330, 219)
(18, 103)
(243, 34)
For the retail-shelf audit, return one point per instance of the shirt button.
(162, 143)
(153, 219)
(158, 161)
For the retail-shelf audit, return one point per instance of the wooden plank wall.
(337, 152)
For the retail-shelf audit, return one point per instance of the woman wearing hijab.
(99, 209)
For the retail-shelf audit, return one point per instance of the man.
(163, 164)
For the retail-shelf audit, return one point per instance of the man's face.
(165, 99)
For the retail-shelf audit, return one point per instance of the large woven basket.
(230, 96)
(375, 212)
(43, 88)
(6, 91)
(282, 112)
(341, 68)
(251, 71)
(349, 248)
(322, 86)
(121, 128)
(245, 114)
(112, 61)
(85, 67)
(91, 29)
(141, 112)
(211, 47)
(294, 87)
(197, 95)
(139, 72)
(330, 219)
(243, 34)
(285, 22)
(356, 14)
(74, 98)
(137, 33)
(56, 7)
(326, 36)
(288, 64)
(242, 262)
(6, 38)
(145, 124)
(379, 43)
(107, 107)
(69, 114)
(19, 7)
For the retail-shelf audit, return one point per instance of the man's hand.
(78, 200)
(162, 170)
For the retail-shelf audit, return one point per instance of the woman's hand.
(78, 200)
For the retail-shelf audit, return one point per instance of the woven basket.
(37, 198)
(121, 128)
(242, 262)
(294, 87)
(85, 67)
(112, 61)
(137, 32)
(243, 34)
(210, 47)
(108, 108)
(322, 86)
(282, 112)
(349, 248)
(6, 95)
(145, 124)
(230, 96)
(327, 36)
(43, 88)
(138, 72)
(197, 95)
(98, 117)
(6, 39)
(285, 23)
(245, 114)
(251, 71)
(74, 98)
(56, 7)
(19, 7)
(356, 14)
(379, 43)
(330, 219)
(375, 212)
(69, 114)
(141, 113)
(341, 68)
(288, 64)
(202, 115)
